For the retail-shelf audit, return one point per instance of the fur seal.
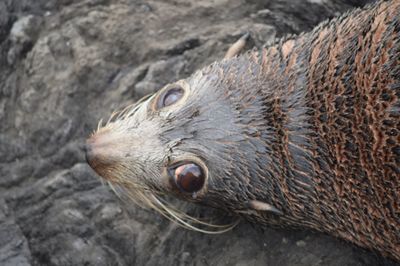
(302, 133)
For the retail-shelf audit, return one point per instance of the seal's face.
(186, 139)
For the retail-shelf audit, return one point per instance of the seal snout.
(99, 153)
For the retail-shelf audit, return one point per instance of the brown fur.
(303, 133)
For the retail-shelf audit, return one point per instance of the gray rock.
(83, 59)
(22, 35)
(14, 248)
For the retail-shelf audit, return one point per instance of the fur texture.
(308, 127)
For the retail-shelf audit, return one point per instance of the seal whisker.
(113, 115)
(187, 225)
(131, 112)
(142, 197)
(136, 106)
(100, 124)
(114, 190)
(123, 111)
(191, 218)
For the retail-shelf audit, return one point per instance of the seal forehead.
(206, 115)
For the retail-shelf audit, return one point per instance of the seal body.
(303, 133)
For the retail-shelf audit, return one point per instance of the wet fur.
(310, 126)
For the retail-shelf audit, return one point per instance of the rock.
(14, 248)
(72, 62)
(159, 74)
(301, 243)
(22, 36)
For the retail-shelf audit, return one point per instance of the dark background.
(64, 64)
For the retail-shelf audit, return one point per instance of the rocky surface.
(64, 64)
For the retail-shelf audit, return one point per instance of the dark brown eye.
(188, 177)
(170, 97)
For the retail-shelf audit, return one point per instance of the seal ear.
(262, 206)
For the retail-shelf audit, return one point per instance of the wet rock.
(72, 62)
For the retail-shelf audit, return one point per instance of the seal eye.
(169, 97)
(188, 177)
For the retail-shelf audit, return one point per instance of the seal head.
(189, 138)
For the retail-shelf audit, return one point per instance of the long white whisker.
(189, 226)
(188, 217)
